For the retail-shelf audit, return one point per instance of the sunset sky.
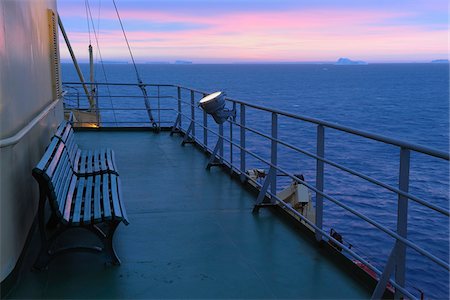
(227, 31)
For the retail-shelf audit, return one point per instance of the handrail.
(362, 133)
(12, 140)
(188, 103)
(366, 134)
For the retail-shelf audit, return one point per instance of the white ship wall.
(25, 91)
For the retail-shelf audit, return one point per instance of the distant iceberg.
(346, 61)
(440, 61)
(183, 62)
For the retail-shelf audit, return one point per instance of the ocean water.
(404, 101)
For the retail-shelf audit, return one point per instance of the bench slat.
(61, 181)
(103, 160)
(66, 208)
(124, 213)
(60, 129)
(76, 214)
(117, 211)
(106, 204)
(76, 162)
(83, 159)
(67, 133)
(87, 215)
(89, 162)
(47, 155)
(72, 149)
(97, 209)
(55, 159)
(96, 161)
(109, 160)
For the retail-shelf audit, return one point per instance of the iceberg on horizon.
(346, 61)
(183, 62)
(440, 61)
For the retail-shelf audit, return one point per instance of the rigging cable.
(86, 4)
(101, 59)
(141, 85)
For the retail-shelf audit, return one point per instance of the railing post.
(221, 143)
(179, 105)
(402, 218)
(242, 141)
(205, 131)
(274, 154)
(320, 178)
(159, 108)
(97, 106)
(231, 139)
(193, 114)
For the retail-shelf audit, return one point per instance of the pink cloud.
(286, 36)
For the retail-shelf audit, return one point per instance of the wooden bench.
(85, 162)
(91, 202)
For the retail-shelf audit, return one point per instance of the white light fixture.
(214, 104)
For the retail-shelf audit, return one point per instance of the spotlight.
(214, 104)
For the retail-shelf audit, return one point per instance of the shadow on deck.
(192, 235)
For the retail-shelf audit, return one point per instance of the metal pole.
(231, 139)
(193, 113)
(205, 131)
(179, 104)
(97, 107)
(242, 141)
(320, 178)
(402, 218)
(159, 107)
(91, 72)
(274, 153)
(221, 143)
(77, 67)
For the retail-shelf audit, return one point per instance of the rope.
(141, 85)
(101, 58)
(86, 4)
(128, 44)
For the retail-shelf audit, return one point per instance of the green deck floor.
(192, 235)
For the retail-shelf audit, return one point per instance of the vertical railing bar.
(242, 141)
(320, 178)
(97, 106)
(205, 126)
(179, 105)
(193, 112)
(402, 218)
(159, 109)
(221, 143)
(274, 152)
(231, 137)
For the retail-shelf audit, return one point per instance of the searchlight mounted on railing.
(214, 104)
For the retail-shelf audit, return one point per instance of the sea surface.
(409, 102)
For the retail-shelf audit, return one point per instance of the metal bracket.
(186, 138)
(384, 279)
(212, 159)
(175, 125)
(262, 193)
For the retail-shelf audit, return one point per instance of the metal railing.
(179, 105)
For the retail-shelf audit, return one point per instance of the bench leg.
(52, 222)
(42, 260)
(45, 256)
(108, 243)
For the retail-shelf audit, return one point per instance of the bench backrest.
(65, 133)
(54, 174)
